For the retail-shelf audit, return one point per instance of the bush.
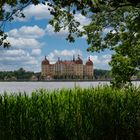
(100, 113)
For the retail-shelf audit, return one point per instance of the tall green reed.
(101, 113)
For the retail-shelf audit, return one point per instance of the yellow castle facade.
(68, 69)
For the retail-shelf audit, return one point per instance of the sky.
(32, 38)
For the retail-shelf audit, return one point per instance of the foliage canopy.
(114, 24)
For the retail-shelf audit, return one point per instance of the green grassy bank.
(100, 113)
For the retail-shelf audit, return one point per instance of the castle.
(68, 69)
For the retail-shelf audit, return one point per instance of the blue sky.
(32, 38)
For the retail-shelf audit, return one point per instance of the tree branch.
(14, 12)
(122, 5)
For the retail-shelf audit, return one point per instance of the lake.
(30, 86)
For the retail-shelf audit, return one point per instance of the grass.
(100, 113)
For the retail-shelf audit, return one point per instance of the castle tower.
(88, 69)
(45, 67)
(78, 68)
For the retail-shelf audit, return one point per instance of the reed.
(100, 113)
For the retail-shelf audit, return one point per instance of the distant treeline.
(100, 74)
(19, 74)
(22, 74)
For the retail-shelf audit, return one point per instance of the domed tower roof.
(89, 62)
(45, 61)
(79, 60)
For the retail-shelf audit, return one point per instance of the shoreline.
(63, 81)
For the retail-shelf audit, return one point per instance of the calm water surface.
(30, 86)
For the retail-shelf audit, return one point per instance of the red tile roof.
(45, 61)
(89, 62)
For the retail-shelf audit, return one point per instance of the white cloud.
(15, 55)
(82, 19)
(64, 54)
(102, 61)
(27, 32)
(7, 8)
(12, 53)
(26, 37)
(50, 31)
(95, 59)
(37, 12)
(25, 50)
(106, 58)
(24, 43)
(36, 52)
(32, 62)
(67, 52)
(16, 58)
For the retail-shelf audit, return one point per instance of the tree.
(21, 74)
(122, 70)
(138, 75)
(114, 24)
(102, 74)
(103, 14)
